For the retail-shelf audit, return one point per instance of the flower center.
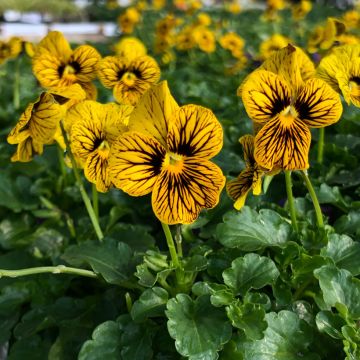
(288, 116)
(103, 149)
(68, 70)
(173, 162)
(129, 79)
(354, 86)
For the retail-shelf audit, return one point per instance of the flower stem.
(16, 93)
(81, 187)
(62, 164)
(320, 154)
(171, 246)
(59, 269)
(318, 212)
(178, 239)
(95, 201)
(291, 201)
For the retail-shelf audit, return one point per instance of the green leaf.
(220, 295)
(250, 272)
(331, 195)
(330, 323)
(199, 329)
(114, 261)
(248, 317)
(286, 338)
(249, 230)
(344, 252)
(151, 303)
(29, 348)
(340, 289)
(304, 266)
(105, 343)
(349, 223)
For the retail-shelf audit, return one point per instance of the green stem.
(291, 201)
(59, 269)
(16, 94)
(320, 154)
(95, 201)
(318, 212)
(178, 239)
(81, 187)
(171, 246)
(62, 163)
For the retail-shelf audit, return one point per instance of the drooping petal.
(21, 130)
(135, 163)
(84, 59)
(264, 95)
(69, 95)
(317, 104)
(239, 188)
(180, 194)
(26, 150)
(55, 44)
(96, 171)
(154, 113)
(283, 143)
(195, 132)
(247, 143)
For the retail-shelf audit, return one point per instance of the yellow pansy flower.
(56, 65)
(10, 49)
(128, 20)
(205, 39)
(94, 128)
(301, 9)
(284, 106)
(233, 7)
(341, 70)
(167, 153)
(130, 47)
(203, 19)
(129, 78)
(185, 40)
(233, 42)
(352, 19)
(249, 178)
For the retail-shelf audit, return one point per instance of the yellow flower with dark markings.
(205, 39)
(284, 106)
(56, 65)
(272, 44)
(10, 49)
(40, 122)
(94, 127)
(301, 9)
(234, 43)
(341, 70)
(249, 178)
(129, 78)
(167, 153)
(128, 20)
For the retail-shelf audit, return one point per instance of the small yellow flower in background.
(94, 127)
(352, 19)
(203, 19)
(301, 9)
(129, 78)
(130, 47)
(273, 6)
(56, 65)
(233, 7)
(185, 39)
(167, 153)
(272, 44)
(233, 42)
(324, 37)
(348, 39)
(128, 20)
(158, 4)
(205, 39)
(341, 70)
(39, 123)
(10, 49)
(166, 25)
(284, 106)
(249, 178)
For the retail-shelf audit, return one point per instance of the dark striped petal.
(183, 189)
(195, 132)
(84, 60)
(135, 163)
(240, 187)
(264, 95)
(96, 171)
(317, 104)
(283, 143)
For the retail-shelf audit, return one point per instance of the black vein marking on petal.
(355, 79)
(137, 73)
(277, 102)
(60, 70)
(120, 73)
(241, 185)
(76, 66)
(280, 139)
(308, 105)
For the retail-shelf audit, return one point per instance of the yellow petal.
(247, 142)
(317, 104)
(283, 143)
(110, 70)
(179, 196)
(239, 188)
(21, 130)
(90, 90)
(26, 150)
(46, 68)
(135, 163)
(55, 44)
(84, 59)
(96, 171)
(154, 113)
(264, 95)
(195, 132)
